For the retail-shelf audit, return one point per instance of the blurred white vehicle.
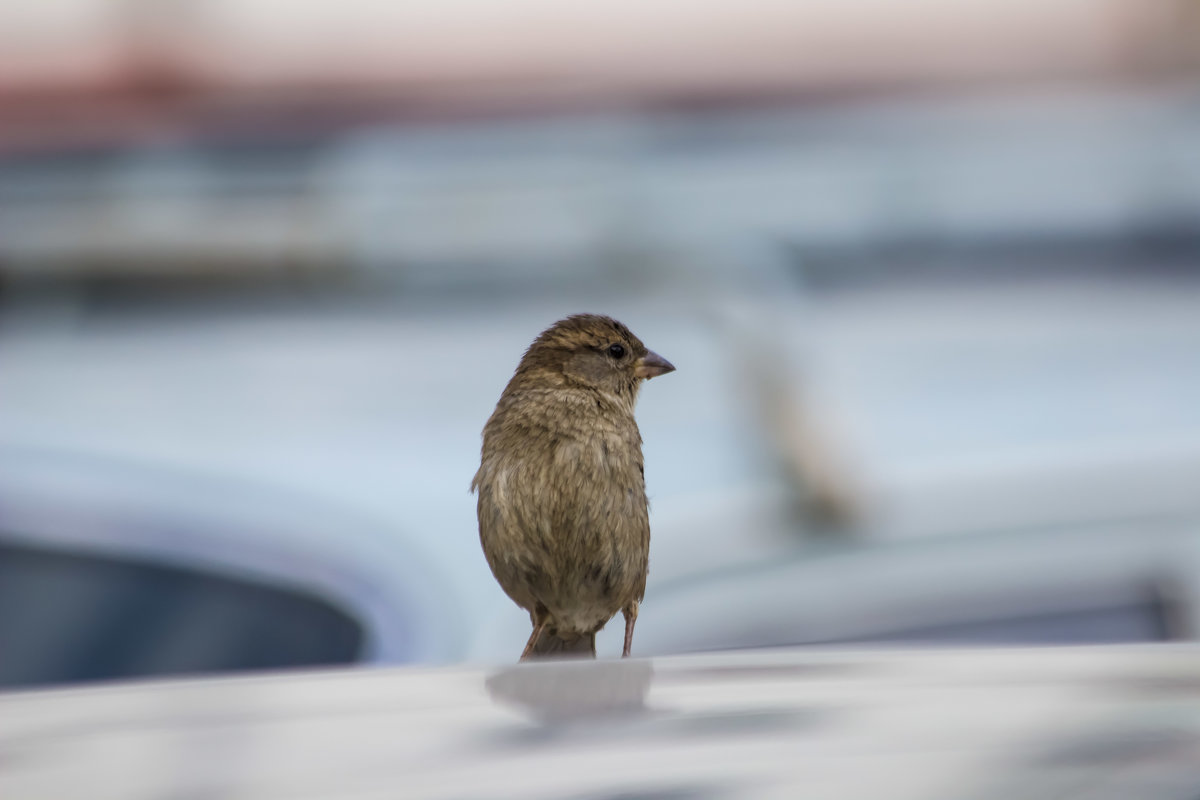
(327, 452)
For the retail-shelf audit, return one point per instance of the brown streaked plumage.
(563, 517)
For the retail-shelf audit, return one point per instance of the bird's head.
(596, 352)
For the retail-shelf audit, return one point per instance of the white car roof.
(902, 724)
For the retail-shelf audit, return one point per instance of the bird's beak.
(652, 365)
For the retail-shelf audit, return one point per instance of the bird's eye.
(616, 350)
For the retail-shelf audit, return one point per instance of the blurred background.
(929, 271)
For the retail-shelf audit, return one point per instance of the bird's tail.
(550, 644)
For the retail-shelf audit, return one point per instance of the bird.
(561, 492)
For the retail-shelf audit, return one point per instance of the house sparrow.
(563, 516)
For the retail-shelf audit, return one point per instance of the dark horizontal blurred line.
(1155, 248)
(903, 265)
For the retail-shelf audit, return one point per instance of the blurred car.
(326, 454)
(1018, 458)
(1125, 581)
(1073, 723)
(114, 569)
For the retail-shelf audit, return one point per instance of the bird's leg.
(538, 627)
(533, 637)
(630, 613)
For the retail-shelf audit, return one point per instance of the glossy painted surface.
(969, 725)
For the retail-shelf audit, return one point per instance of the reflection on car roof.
(912, 724)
